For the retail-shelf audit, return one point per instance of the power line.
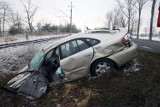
(44, 9)
(65, 15)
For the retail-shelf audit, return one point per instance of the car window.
(51, 53)
(68, 49)
(57, 51)
(92, 42)
(82, 45)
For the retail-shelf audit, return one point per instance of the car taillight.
(126, 40)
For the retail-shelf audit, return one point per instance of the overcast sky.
(89, 13)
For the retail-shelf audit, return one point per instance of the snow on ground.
(147, 38)
(22, 38)
(132, 66)
(15, 58)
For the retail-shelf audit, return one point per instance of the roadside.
(151, 46)
(139, 88)
(154, 38)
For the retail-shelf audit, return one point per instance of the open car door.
(29, 84)
(33, 83)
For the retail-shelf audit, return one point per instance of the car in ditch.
(72, 58)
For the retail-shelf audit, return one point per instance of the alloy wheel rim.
(102, 67)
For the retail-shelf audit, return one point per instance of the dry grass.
(43, 33)
(88, 95)
(9, 38)
(68, 88)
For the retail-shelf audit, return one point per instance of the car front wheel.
(101, 66)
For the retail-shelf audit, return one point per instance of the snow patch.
(132, 66)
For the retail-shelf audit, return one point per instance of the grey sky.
(89, 13)
(85, 12)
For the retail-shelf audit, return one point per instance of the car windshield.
(33, 65)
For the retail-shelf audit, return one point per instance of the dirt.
(139, 88)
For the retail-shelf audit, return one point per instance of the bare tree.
(119, 18)
(109, 17)
(145, 30)
(151, 21)
(30, 10)
(134, 23)
(128, 10)
(122, 20)
(4, 9)
(7, 16)
(18, 22)
(0, 26)
(115, 18)
(116, 14)
(1, 15)
(12, 17)
(140, 4)
(16, 26)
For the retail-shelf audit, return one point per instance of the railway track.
(27, 42)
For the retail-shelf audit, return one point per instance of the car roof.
(99, 36)
(101, 31)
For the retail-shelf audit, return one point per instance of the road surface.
(151, 46)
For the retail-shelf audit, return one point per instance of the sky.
(89, 13)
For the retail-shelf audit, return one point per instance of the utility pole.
(0, 27)
(71, 19)
(151, 20)
(18, 23)
(4, 14)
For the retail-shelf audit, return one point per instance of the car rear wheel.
(101, 66)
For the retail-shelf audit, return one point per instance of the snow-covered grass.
(22, 38)
(147, 38)
(15, 58)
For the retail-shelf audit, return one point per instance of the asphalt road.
(151, 46)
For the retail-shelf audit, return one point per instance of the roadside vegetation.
(141, 88)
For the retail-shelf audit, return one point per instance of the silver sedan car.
(74, 57)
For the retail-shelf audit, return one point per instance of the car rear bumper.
(125, 55)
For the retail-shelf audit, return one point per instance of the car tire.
(101, 66)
